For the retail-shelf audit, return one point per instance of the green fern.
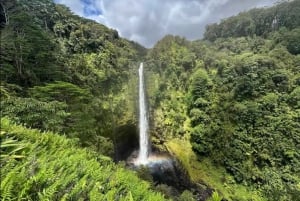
(10, 148)
(56, 169)
(7, 186)
(4, 92)
(215, 197)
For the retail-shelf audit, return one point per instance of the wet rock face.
(166, 170)
(171, 173)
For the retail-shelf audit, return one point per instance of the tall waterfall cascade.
(162, 166)
(143, 120)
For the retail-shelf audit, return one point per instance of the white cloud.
(147, 21)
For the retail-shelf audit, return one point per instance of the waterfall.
(143, 120)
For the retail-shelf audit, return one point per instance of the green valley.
(226, 107)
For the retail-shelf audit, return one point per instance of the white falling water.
(143, 120)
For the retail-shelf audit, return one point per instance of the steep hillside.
(259, 22)
(64, 73)
(46, 166)
(236, 100)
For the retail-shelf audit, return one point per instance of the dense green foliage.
(259, 22)
(236, 98)
(232, 99)
(46, 166)
(67, 74)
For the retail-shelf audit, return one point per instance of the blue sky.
(147, 21)
(90, 8)
(85, 8)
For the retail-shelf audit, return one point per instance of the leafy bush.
(34, 113)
